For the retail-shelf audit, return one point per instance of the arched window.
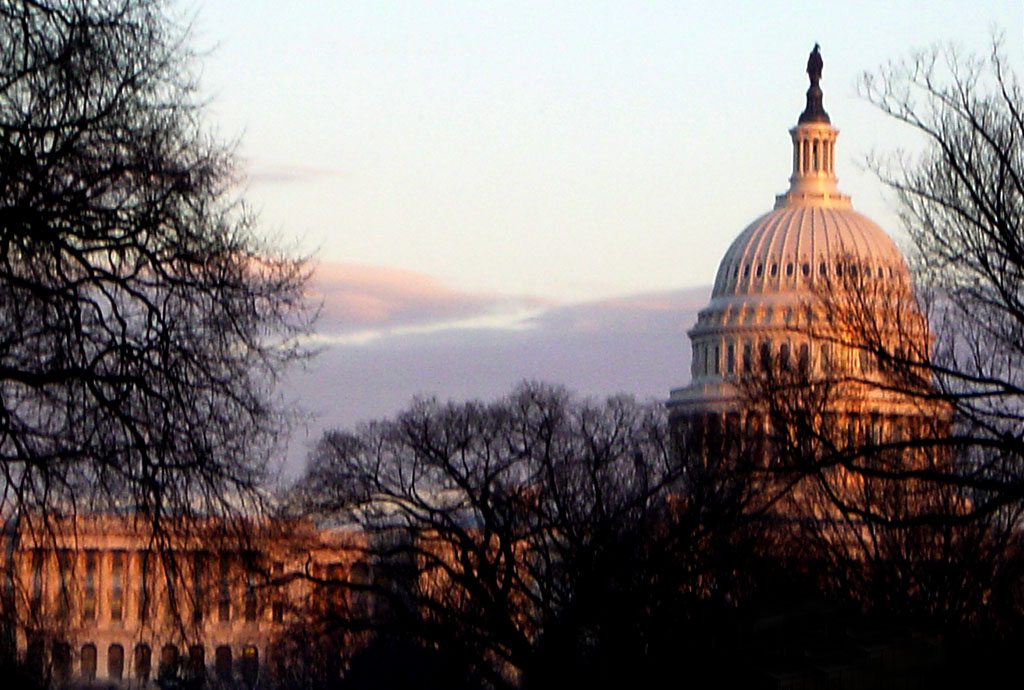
(362, 602)
(775, 270)
(822, 269)
(115, 662)
(784, 356)
(35, 656)
(89, 601)
(250, 665)
(805, 269)
(168, 662)
(789, 269)
(60, 656)
(143, 658)
(766, 355)
(89, 662)
(251, 605)
(804, 358)
(196, 662)
(223, 663)
(760, 271)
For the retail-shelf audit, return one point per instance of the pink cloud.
(634, 313)
(359, 297)
(635, 344)
(263, 173)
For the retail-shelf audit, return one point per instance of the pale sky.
(571, 171)
(570, 149)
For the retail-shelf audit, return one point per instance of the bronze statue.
(814, 65)
(814, 112)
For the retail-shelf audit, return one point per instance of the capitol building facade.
(812, 330)
(812, 296)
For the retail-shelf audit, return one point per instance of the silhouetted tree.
(142, 321)
(536, 540)
(904, 444)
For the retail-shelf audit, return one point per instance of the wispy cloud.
(362, 301)
(629, 314)
(268, 173)
(635, 344)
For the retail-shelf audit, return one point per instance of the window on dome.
(804, 358)
(60, 660)
(746, 271)
(717, 363)
(760, 270)
(88, 660)
(747, 357)
(839, 270)
(115, 662)
(766, 355)
(822, 269)
(853, 270)
(730, 358)
(784, 356)
(222, 663)
(789, 268)
(168, 662)
(775, 270)
(806, 269)
(142, 662)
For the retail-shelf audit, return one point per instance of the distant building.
(809, 299)
(98, 598)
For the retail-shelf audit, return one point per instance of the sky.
(495, 191)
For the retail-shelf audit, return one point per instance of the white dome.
(787, 249)
(811, 245)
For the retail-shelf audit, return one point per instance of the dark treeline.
(544, 541)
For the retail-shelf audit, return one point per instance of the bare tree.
(962, 205)
(529, 538)
(142, 322)
(902, 434)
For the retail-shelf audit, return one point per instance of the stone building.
(99, 598)
(812, 333)
(794, 302)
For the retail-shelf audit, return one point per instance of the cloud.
(263, 173)
(635, 344)
(641, 313)
(360, 299)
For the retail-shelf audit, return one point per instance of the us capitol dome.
(778, 297)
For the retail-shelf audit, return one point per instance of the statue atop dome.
(815, 111)
(814, 65)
